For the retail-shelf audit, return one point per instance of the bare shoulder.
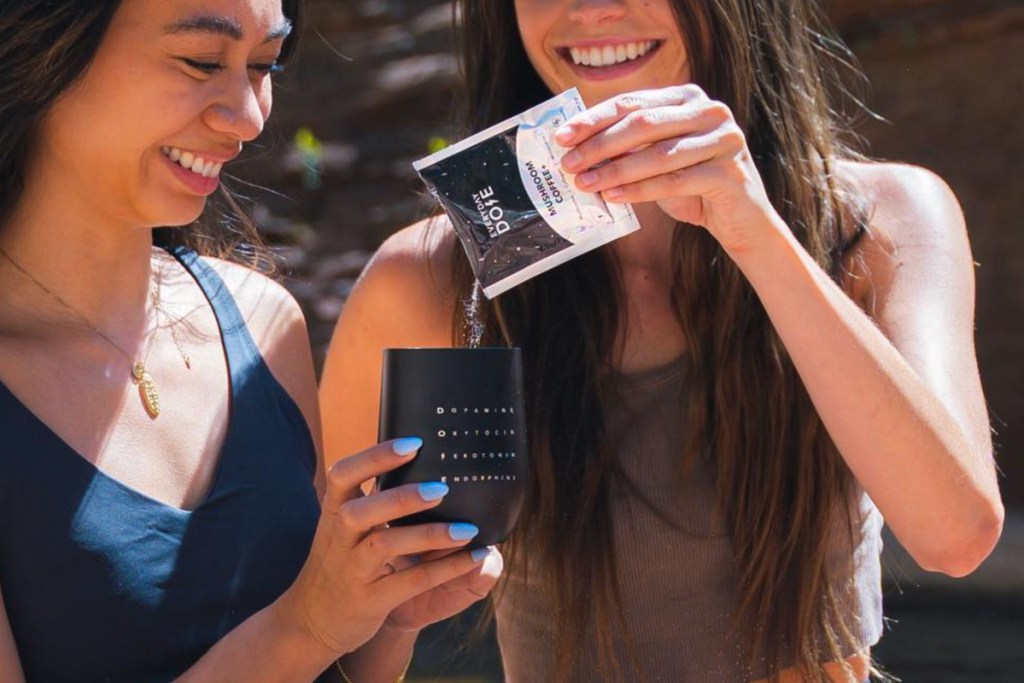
(907, 204)
(410, 277)
(916, 238)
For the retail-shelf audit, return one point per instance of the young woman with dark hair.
(158, 514)
(725, 405)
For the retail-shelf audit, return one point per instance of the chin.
(178, 214)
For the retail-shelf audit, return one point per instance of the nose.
(597, 11)
(241, 109)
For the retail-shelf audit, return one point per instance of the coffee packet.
(516, 212)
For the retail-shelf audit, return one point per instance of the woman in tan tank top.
(725, 404)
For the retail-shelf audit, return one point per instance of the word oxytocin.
(445, 433)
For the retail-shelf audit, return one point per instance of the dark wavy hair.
(782, 487)
(45, 48)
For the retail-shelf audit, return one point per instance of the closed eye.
(211, 68)
(205, 67)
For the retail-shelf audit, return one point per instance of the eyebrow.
(222, 26)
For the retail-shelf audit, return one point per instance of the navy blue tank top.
(103, 583)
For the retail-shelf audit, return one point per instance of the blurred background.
(374, 90)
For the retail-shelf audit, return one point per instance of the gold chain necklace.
(139, 374)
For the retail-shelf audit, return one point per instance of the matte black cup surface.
(467, 406)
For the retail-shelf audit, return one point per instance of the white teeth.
(191, 162)
(609, 55)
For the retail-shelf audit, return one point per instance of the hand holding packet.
(516, 212)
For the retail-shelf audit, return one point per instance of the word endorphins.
(477, 478)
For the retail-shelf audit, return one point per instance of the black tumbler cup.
(467, 406)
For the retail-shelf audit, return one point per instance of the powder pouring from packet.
(516, 212)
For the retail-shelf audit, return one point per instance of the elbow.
(965, 551)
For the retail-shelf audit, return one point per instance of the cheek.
(531, 20)
(265, 95)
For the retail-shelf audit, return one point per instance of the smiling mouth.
(609, 55)
(191, 162)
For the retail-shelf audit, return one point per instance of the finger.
(611, 111)
(648, 127)
(438, 554)
(377, 509)
(480, 580)
(664, 157)
(696, 181)
(394, 544)
(425, 576)
(467, 589)
(346, 475)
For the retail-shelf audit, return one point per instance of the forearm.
(383, 659)
(262, 649)
(936, 489)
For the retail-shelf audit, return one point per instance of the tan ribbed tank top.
(674, 560)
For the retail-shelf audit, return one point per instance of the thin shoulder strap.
(239, 346)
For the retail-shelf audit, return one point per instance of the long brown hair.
(45, 48)
(782, 487)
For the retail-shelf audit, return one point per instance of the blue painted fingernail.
(572, 159)
(478, 554)
(433, 490)
(406, 446)
(462, 532)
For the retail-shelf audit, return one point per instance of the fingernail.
(572, 160)
(588, 178)
(433, 490)
(612, 193)
(563, 132)
(478, 554)
(406, 446)
(462, 532)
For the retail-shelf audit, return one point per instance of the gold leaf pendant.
(147, 389)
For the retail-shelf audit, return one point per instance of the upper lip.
(217, 157)
(602, 42)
